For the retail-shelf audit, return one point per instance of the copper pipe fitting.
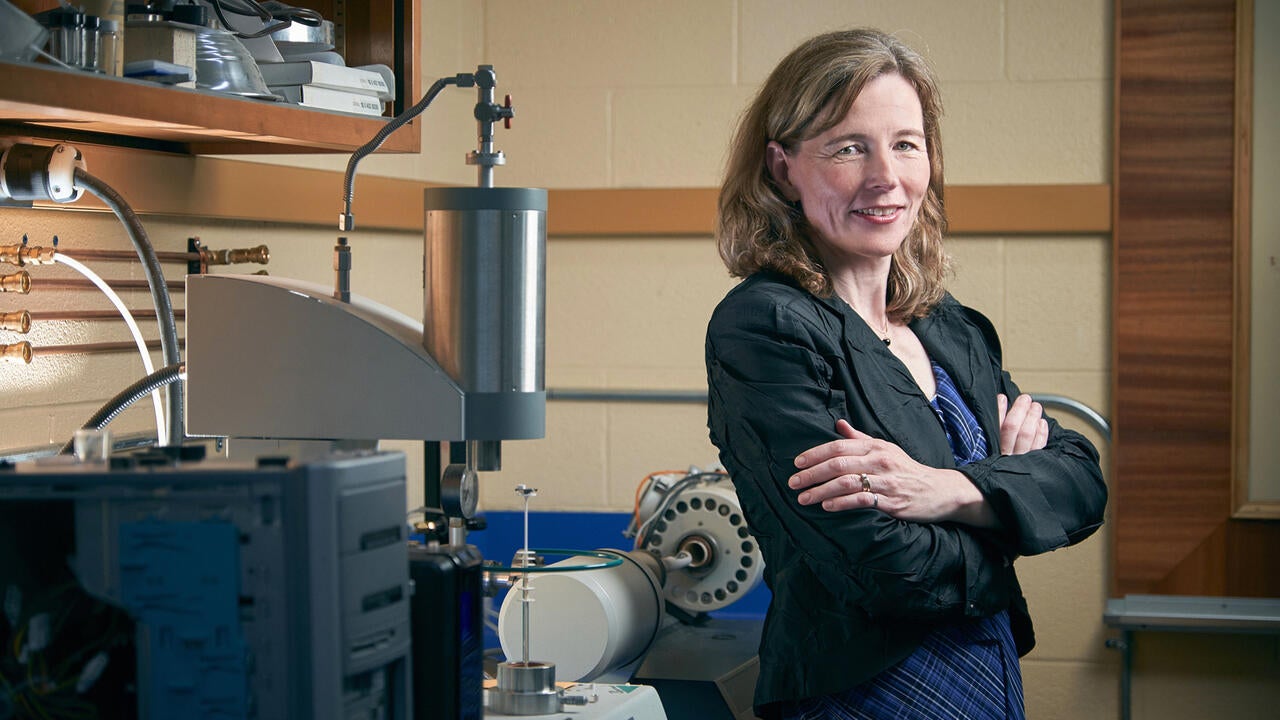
(19, 321)
(19, 352)
(260, 255)
(21, 255)
(19, 282)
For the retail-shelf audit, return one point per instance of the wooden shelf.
(47, 102)
(51, 102)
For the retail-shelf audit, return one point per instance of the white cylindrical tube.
(588, 623)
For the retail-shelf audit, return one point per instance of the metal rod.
(1126, 675)
(525, 492)
(524, 586)
(690, 397)
(698, 397)
(93, 348)
(1062, 402)
(80, 284)
(40, 315)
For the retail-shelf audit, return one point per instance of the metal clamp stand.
(525, 687)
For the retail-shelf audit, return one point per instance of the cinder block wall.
(615, 93)
(645, 94)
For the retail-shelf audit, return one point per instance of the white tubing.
(161, 429)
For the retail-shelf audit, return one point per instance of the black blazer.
(854, 592)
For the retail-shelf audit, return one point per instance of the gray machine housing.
(278, 358)
(322, 592)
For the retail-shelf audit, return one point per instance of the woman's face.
(861, 183)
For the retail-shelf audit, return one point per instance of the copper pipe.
(93, 348)
(260, 255)
(126, 255)
(79, 284)
(42, 315)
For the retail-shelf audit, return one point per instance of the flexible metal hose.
(349, 178)
(168, 375)
(156, 282)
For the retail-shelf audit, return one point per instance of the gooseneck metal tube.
(168, 375)
(346, 222)
(156, 282)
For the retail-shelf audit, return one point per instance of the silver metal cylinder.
(525, 689)
(485, 274)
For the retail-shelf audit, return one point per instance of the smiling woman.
(862, 181)
(860, 185)
(888, 466)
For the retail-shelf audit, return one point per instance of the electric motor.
(699, 515)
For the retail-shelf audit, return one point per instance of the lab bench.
(1170, 613)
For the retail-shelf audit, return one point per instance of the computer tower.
(448, 631)
(260, 590)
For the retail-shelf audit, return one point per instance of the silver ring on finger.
(875, 501)
(866, 484)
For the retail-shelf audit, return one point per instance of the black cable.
(168, 375)
(399, 121)
(286, 14)
(155, 279)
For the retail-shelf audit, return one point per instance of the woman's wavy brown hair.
(808, 93)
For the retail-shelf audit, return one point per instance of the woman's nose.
(881, 172)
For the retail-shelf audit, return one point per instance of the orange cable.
(648, 479)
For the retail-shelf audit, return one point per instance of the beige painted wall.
(617, 93)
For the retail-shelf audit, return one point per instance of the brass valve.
(260, 255)
(21, 255)
(19, 321)
(17, 352)
(19, 282)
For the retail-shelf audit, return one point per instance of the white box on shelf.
(325, 75)
(322, 98)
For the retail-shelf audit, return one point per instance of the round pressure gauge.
(459, 491)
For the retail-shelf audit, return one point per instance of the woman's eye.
(848, 150)
(904, 145)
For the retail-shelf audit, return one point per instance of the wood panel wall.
(1174, 291)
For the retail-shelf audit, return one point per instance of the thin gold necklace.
(884, 335)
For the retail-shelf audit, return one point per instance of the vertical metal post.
(1126, 674)
(1124, 644)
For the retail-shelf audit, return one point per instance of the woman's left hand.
(833, 474)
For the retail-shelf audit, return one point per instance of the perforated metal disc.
(707, 521)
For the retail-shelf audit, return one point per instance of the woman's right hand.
(1022, 426)
(860, 471)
